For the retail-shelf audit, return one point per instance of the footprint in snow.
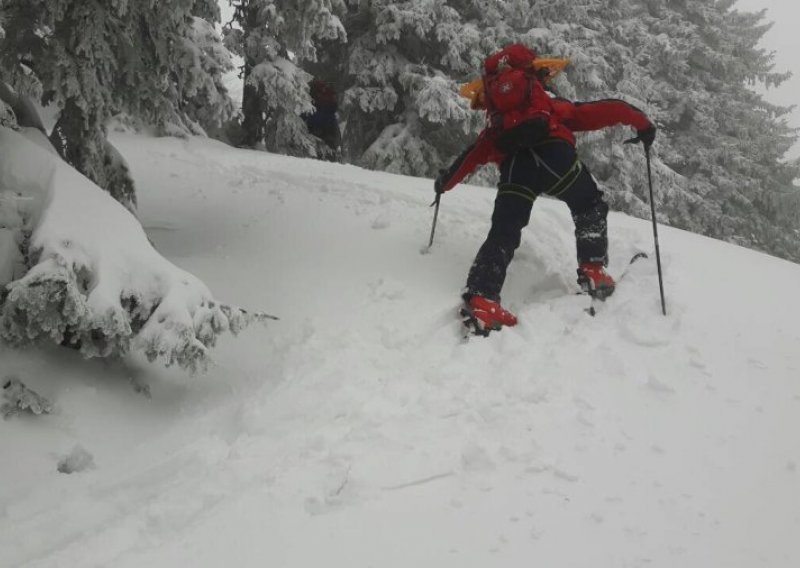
(76, 461)
(383, 289)
(645, 333)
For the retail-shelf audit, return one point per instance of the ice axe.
(435, 204)
(653, 216)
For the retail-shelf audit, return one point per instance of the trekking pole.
(655, 230)
(653, 217)
(435, 217)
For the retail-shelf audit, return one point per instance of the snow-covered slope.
(361, 431)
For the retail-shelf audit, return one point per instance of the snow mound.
(95, 282)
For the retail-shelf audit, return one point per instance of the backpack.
(512, 87)
(508, 80)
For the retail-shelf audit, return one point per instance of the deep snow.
(361, 431)
(95, 281)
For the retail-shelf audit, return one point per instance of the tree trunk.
(81, 141)
(253, 120)
(253, 103)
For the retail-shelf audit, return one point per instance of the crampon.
(480, 316)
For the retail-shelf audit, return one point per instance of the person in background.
(323, 122)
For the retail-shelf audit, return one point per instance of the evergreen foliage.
(726, 142)
(399, 74)
(274, 38)
(97, 58)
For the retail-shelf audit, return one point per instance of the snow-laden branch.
(95, 282)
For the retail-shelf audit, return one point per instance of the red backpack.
(512, 91)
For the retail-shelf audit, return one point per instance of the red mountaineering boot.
(482, 315)
(595, 281)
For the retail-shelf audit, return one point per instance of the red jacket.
(564, 118)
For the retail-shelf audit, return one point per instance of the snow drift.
(95, 282)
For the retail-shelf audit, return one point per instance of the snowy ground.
(361, 431)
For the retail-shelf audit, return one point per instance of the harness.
(561, 184)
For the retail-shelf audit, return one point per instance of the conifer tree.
(399, 73)
(726, 141)
(97, 58)
(204, 104)
(274, 39)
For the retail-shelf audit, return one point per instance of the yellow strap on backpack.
(474, 90)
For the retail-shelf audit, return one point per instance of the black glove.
(523, 135)
(438, 185)
(446, 174)
(647, 136)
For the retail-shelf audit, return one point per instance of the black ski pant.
(550, 168)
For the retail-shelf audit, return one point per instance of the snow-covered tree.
(92, 280)
(274, 39)
(96, 58)
(201, 62)
(399, 73)
(76, 267)
(727, 142)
